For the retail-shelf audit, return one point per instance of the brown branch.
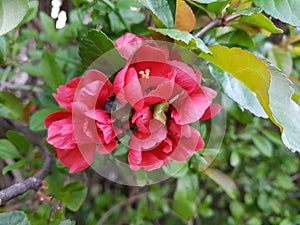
(31, 183)
(220, 21)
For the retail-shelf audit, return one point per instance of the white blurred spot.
(62, 19)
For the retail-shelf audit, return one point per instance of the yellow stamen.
(145, 74)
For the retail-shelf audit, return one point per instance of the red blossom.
(75, 132)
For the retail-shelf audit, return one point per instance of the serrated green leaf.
(284, 10)
(281, 59)
(18, 140)
(51, 72)
(14, 166)
(11, 14)
(224, 181)
(262, 21)
(8, 150)
(74, 195)
(285, 111)
(263, 145)
(237, 91)
(184, 37)
(185, 196)
(11, 106)
(36, 122)
(14, 218)
(161, 9)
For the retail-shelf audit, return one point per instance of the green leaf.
(286, 112)
(284, 10)
(246, 68)
(18, 140)
(239, 38)
(2, 49)
(55, 183)
(74, 195)
(184, 37)
(263, 145)
(161, 9)
(237, 91)
(11, 14)
(36, 122)
(11, 106)
(51, 72)
(8, 150)
(262, 21)
(97, 44)
(14, 218)
(281, 59)
(34, 70)
(14, 166)
(224, 181)
(32, 11)
(185, 196)
(48, 26)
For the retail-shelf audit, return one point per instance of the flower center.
(145, 74)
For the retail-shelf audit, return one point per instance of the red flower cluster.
(165, 96)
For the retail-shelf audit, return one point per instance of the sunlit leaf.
(245, 67)
(237, 91)
(284, 10)
(11, 14)
(262, 21)
(185, 19)
(224, 181)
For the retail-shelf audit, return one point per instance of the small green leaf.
(161, 9)
(8, 150)
(11, 106)
(184, 37)
(51, 72)
(263, 145)
(284, 10)
(49, 26)
(34, 70)
(11, 14)
(32, 11)
(55, 183)
(14, 218)
(237, 91)
(224, 181)
(36, 122)
(14, 166)
(262, 21)
(2, 49)
(185, 196)
(281, 59)
(74, 195)
(18, 140)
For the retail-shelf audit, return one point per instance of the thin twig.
(31, 183)
(220, 21)
(129, 201)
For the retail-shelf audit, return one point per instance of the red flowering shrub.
(165, 96)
